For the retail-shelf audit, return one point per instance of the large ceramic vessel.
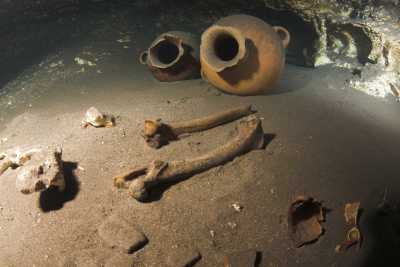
(173, 56)
(243, 55)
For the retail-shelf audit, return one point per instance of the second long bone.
(157, 133)
(249, 136)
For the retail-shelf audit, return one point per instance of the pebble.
(232, 225)
(237, 207)
(116, 232)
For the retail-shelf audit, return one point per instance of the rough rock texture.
(357, 35)
(40, 172)
(116, 232)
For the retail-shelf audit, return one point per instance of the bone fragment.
(15, 158)
(249, 136)
(157, 133)
(41, 172)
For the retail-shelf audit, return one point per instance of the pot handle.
(283, 34)
(143, 57)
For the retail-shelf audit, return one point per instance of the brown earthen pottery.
(173, 56)
(243, 55)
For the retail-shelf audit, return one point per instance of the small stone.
(116, 232)
(237, 207)
(232, 225)
(182, 257)
(120, 260)
(212, 233)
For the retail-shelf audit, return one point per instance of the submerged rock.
(357, 34)
(116, 232)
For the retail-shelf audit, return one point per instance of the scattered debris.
(249, 136)
(56, 64)
(84, 62)
(156, 133)
(15, 158)
(97, 119)
(117, 232)
(232, 225)
(353, 236)
(42, 172)
(351, 212)
(81, 168)
(237, 207)
(395, 91)
(212, 233)
(305, 218)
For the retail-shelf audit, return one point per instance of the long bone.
(157, 133)
(249, 136)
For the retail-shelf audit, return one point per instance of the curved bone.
(249, 136)
(157, 133)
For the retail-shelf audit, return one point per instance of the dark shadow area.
(258, 260)
(268, 139)
(245, 69)
(52, 199)
(226, 47)
(382, 228)
(31, 31)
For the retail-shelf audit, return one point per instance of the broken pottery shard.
(182, 257)
(353, 237)
(351, 212)
(97, 119)
(304, 218)
(116, 232)
(41, 172)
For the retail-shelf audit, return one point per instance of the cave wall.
(360, 35)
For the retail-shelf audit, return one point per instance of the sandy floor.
(329, 142)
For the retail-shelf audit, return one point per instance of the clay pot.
(243, 55)
(173, 56)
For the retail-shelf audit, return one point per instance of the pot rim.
(207, 47)
(153, 59)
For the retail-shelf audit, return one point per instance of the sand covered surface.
(325, 141)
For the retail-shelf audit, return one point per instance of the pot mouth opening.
(166, 52)
(226, 47)
(222, 47)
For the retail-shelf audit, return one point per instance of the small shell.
(97, 119)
